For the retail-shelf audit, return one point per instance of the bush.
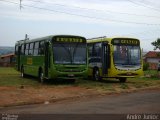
(145, 66)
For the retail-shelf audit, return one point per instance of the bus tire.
(41, 76)
(96, 75)
(122, 80)
(22, 72)
(72, 80)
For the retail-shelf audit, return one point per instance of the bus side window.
(16, 50)
(97, 49)
(22, 49)
(41, 48)
(90, 49)
(26, 49)
(36, 46)
(95, 52)
(31, 49)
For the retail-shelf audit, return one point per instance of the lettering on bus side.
(63, 39)
(29, 61)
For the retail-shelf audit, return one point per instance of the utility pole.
(26, 37)
(20, 5)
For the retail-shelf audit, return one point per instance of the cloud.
(75, 11)
(106, 10)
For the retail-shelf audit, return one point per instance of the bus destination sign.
(69, 39)
(125, 42)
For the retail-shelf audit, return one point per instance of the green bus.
(51, 57)
(115, 57)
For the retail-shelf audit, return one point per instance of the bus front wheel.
(41, 76)
(122, 80)
(96, 75)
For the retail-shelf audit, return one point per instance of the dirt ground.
(11, 96)
(25, 95)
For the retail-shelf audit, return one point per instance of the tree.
(156, 44)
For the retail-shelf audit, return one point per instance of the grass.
(132, 83)
(115, 85)
(11, 88)
(10, 77)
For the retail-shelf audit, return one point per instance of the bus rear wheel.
(122, 80)
(22, 72)
(41, 76)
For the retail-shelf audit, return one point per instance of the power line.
(91, 17)
(36, 3)
(151, 4)
(97, 10)
(20, 4)
(144, 32)
(144, 5)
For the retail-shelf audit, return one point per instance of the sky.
(89, 18)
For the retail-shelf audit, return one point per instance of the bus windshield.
(126, 55)
(69, 53)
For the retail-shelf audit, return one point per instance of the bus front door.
(46, 54)
(18, 58)
(105, 58)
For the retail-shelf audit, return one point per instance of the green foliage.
(10, 77)
(124, 86)
(145, 66)
(156, 44)
(151, 74)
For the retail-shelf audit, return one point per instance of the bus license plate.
(70, 75)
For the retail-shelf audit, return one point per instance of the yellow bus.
(117, 57)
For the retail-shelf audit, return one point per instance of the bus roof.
(103, 39)
(48, 38)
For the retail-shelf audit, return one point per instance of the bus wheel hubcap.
(41, 76)
(96, 75)
(22, 73)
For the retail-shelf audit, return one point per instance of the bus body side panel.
(32, 64)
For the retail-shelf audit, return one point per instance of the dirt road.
(147, 101)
